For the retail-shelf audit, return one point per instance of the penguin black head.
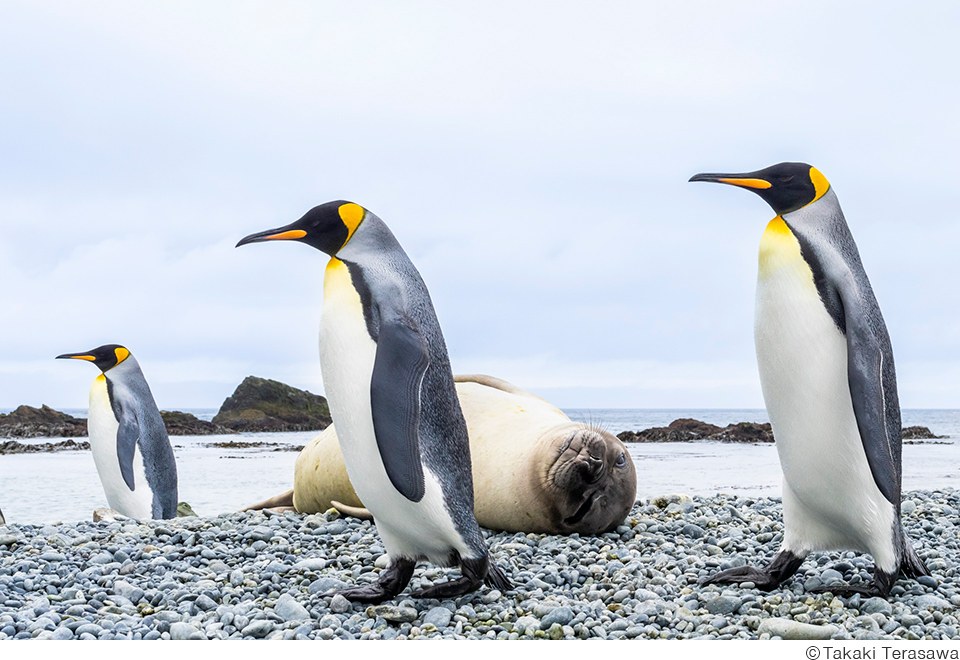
(327, 227)
(105, 357)
(785, 187)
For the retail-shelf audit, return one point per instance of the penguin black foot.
(392, 581)
(882, 584)
(784, 565)
(475, 573)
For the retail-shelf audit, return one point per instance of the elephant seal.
(533, 469)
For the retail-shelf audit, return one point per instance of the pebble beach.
(262, 575)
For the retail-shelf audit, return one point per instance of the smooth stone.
(876, 605)
(206, 603)
(722, 605)
(288, 609)
(128, 591)
(323, 585)
(829, 575)
(315, 564)
(258, 628)
(439, 617)
(908, 507)
(790, 629)
(932, 602)
(928, 581)
(558, 615)
(693, 531)
(62, 633)
(182, 631)
(88, 628)
(340, 605)
(393, 613)
(7, 539)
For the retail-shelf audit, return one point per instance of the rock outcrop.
(690, 430)
(259, 404)
(181, 423)
(920, 433)
(27, 422)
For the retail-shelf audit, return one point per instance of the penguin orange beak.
(287, 233)
(76, 356)
(747, 180)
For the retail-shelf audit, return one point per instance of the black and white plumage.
(828, 380)
(391, 393)
(128, 438)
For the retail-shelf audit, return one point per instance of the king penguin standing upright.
(391, 393)
(128, 438)
(826, 370)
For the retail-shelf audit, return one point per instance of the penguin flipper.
(401, 361)
(873, 392)
(127, 437)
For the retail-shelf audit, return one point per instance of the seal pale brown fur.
(534, 470)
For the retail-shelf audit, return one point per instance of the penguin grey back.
(393, 292)
(828, 247)
(142, 426)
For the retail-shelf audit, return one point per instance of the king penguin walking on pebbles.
(128, 438)
(826, 370)
(391, 393)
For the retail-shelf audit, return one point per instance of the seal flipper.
(784, 565)
(402, 359)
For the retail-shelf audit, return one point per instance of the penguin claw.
(763, 579)
(847, 590)
(458, 587)
(370, 593)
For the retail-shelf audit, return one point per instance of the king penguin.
(391, 394)
(828, 381)
(128, 438)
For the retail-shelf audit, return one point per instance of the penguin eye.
(621, 460)
(785, 178)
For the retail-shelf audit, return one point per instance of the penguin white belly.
(102, 427)
(414, 530)
(830, 498)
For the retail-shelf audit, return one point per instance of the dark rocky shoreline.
(257, 405)
(693, 430)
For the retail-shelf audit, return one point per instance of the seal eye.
(621, 460)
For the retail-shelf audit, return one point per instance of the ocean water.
(45, 488)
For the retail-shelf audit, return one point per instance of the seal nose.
(594, 466)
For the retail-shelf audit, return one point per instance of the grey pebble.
(340, 605)
(258, 628)
(438, 617)
(288, 609)
(393, 613)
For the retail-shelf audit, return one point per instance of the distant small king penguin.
(391, 393)
(826, 370)
(128, 438)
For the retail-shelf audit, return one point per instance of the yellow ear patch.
(122, 354)
(748, 183)
(820, 183)
(352, 215)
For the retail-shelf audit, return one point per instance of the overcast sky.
(532, 159)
